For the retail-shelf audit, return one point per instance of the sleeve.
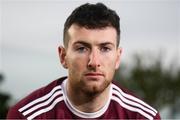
(157, 117)
(13, 113)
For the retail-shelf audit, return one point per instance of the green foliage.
(4, 98)
(155, 84)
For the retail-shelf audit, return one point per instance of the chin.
(95, 88)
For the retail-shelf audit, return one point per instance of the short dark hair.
(92, 16)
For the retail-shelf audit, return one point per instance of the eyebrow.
(107, 43)
(82, 43)
(88, 45)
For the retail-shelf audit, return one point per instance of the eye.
(81, 49)
(105, 49)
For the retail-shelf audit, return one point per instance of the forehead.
(100, 35)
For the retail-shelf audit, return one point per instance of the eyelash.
(84, 49)
(105, 49)
(81, 49)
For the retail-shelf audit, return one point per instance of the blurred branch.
(1, 77)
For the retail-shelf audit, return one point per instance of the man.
(91, 55)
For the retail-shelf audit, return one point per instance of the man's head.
(92, 16)
(91, 53)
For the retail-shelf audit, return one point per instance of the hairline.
(66, 35)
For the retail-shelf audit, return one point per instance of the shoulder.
(132, 105)
(34, 100)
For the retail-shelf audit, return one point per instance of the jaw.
(88, 99)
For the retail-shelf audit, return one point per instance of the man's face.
(91, 58)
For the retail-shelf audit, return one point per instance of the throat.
(89, 103)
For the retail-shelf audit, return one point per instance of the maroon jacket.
(51, 102)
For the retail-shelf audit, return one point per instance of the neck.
(87, 102)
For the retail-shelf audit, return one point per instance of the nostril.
(91, 65)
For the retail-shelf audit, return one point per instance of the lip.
(94, 74)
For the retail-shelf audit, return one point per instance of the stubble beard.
(95, 88)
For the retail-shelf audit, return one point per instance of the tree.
(157, 85)
(4, 98)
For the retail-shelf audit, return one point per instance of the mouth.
(94, 75)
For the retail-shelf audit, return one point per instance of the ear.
(118, 59)
(62, 56)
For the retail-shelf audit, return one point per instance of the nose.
(94, 60)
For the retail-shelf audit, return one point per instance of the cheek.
(114, 61)
(110, 64)
(76, 63)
